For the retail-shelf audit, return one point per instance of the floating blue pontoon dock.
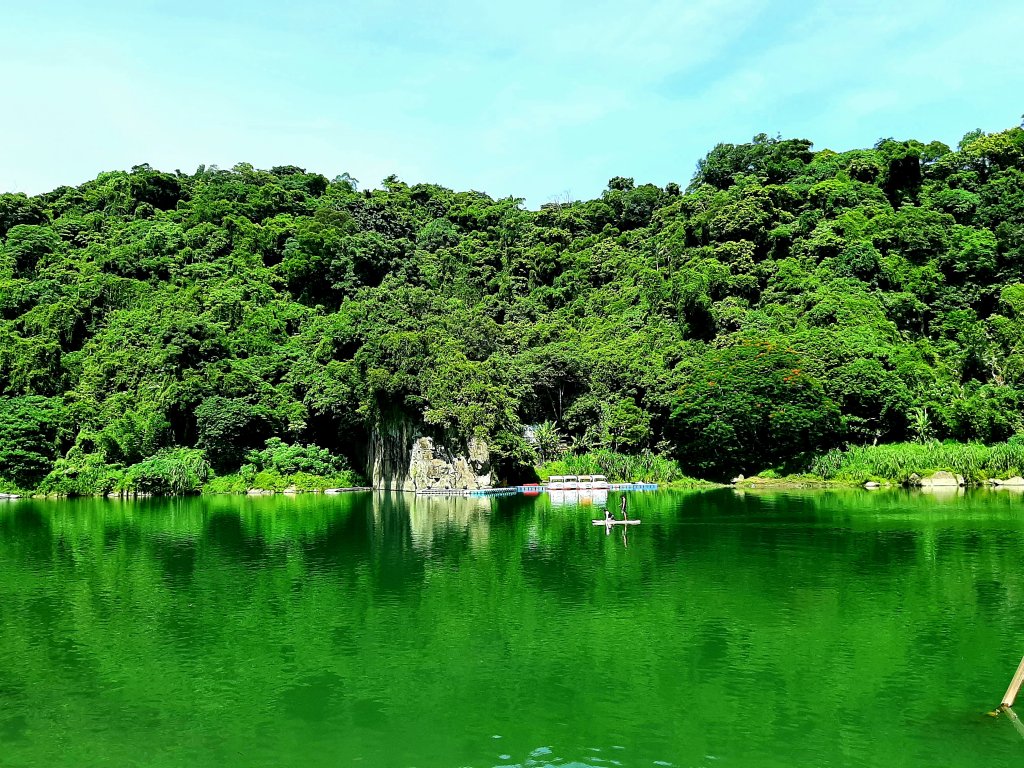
(467, 492)
(536, 490)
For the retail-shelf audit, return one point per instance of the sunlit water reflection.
(768, 629)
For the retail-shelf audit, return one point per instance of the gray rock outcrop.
(402, 458)
(434, 467)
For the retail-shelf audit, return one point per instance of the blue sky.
(540, 100)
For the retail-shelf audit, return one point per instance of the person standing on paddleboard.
(622, 506)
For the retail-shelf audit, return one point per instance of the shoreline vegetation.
(274, 470)
(901, 464)
(224, 330)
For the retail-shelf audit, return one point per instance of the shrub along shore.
(281, 468)
(900, 464)
(277, 467)
(897, 462)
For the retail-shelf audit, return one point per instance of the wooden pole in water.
(1011, 692)
(1015, 720)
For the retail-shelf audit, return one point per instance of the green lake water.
(758, 629)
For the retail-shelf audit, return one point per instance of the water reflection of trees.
(394, 607)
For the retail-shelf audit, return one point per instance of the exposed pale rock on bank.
(937, 480)
(1010, 482)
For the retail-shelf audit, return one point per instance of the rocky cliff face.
(436, 467)
(388, 457)
(401, 458)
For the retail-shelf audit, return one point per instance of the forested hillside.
(784, 303)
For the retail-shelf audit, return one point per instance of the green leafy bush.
(232, 483)
(270, 480)
(81, 474)
(287, 459)
(171, 471)
(280, 466)
(29, 428)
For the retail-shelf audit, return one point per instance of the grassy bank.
(303, 482)
(896, 462)
(281, 467)
(623, 468)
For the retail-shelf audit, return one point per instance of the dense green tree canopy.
(789, 301)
